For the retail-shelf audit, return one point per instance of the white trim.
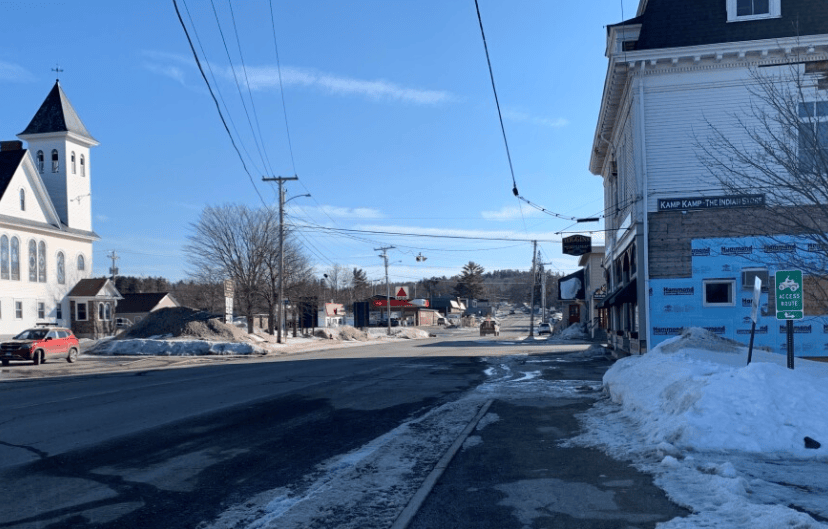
(730, 281)
(774, 11)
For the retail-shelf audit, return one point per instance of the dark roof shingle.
(56, 114)
(9, 162)
(143, 302)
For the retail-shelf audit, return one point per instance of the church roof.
(9, 162)
(56, 114)
(140, 302)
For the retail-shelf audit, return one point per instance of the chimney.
(11, 146)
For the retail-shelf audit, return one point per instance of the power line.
(377, 232)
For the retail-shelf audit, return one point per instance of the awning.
(624, 294)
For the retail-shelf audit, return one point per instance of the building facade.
(46, 233)
(679, 74)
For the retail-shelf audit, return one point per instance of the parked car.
(556, 316)
(544, 328)
(489, 327)
(38, 343)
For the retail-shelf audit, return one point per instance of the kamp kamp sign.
(735, 201)
(789, 299)
(577, 245)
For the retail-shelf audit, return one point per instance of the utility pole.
(114, 270)
(387, 285)
(532, 304)
(281, 180)
(543, 293)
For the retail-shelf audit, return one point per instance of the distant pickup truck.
(489, 327)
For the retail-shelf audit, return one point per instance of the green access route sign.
(790, 303)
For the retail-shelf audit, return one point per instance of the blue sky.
(393, 124)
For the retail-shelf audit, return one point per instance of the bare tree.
(233, 241)
(779, 147)
(296, 268)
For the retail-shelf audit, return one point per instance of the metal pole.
(790, 329)
(532, 304)
(387, 286)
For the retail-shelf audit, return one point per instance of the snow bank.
(695, 392)
(573, 332)
(157, 347)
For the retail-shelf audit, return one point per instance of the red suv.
(39, 343)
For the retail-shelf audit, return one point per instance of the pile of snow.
(679, 396)
(183, 321)
(162, 347)
(410, 334)
(574, 332)
(725, 439)
(345, 332)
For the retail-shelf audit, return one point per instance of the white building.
(46, 233)
(676, 254)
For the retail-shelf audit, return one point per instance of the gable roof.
(140, 302)
(90, 288)
(56, 114)
(9, 162)
(671, 24)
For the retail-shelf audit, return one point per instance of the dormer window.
(22, 200)
(73, 162)
(83, 165)
(742, 10)
(55, 162)
(41, 161)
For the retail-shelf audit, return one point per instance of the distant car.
(556, 316)
(38, 343)
(489, 327)
(544, 328)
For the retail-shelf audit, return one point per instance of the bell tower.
(60, 145)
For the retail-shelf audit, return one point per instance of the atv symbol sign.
(789, 299)
(401, 293)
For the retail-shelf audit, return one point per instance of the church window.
(61, 269)
(40, 161)
(80, 311)
(73, 162)
(15, 259)
(22, 200)
(81, 263)
(100, 312)
(33, 261)
(41, 262)
(108, 312)
(55, 163)
(58, 310)
(83, 165)
(4, 257)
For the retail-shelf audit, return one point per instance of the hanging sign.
(577, 245)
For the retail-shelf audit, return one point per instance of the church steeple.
(59, 144)
(56, 114)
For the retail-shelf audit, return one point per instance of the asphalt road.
(180, 447)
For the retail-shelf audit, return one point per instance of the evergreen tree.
(470, 283)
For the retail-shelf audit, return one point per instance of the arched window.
(73, 162)
(61, 269)
(107, 311)
(81, 263)
(4, 257)
(55, 162)
(22, 200)
(41, 262)
(83, 165)
(32, 261)
(15, 259)
(40, 161)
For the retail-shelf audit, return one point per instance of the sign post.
(790, 304)
(754, 313)
(229, 292)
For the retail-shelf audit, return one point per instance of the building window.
(22, 200)
(41, 161)
(80, 311)
(73, 162)
(41, 310)
(33, 261)
(719, 292)
(55, 162)
(81, 263)
(739, 10)
(83, 165)
(41, 262)
(61, 269)
(4, 257)
(15, 259)
(107, 311)
(18, 310)
(813, 136)
(58, 311)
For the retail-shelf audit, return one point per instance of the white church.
(46, 233)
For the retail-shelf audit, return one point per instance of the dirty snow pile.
(573, 332)
(739, 445)
(345, 332)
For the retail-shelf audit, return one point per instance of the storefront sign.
(577, 245)
(735, 201)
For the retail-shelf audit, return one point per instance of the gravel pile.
(184, 322)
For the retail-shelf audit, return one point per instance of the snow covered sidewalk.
(740, 445)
